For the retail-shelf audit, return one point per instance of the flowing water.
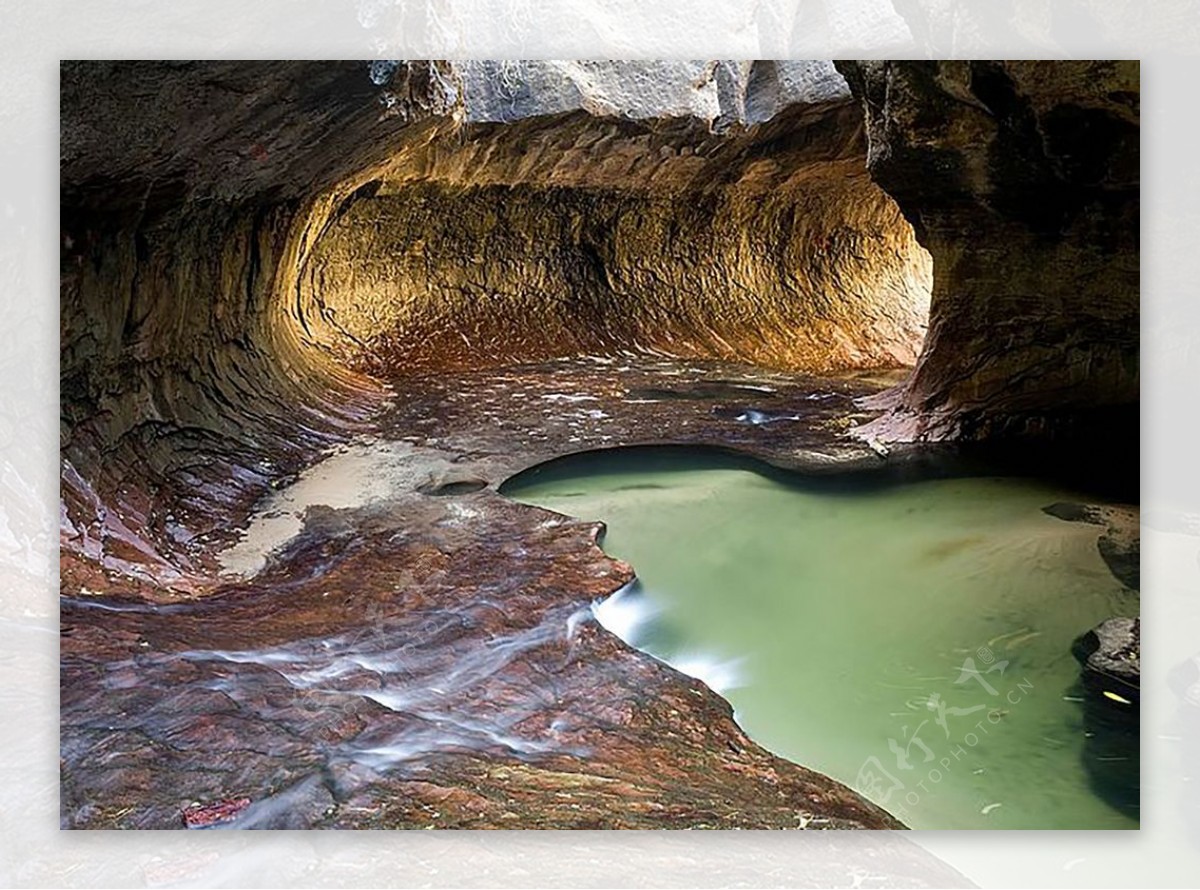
(909, 639)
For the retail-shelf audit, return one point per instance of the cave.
(351, 350)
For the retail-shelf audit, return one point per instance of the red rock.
(209, 814)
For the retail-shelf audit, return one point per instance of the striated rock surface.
(190, 192)
(427, 656)
(242, 241)
(427, 659)
(789, 264)
(1021, 179)
(695, 209)
(240, 238)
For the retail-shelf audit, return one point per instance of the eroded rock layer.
(241, 240)
(191, 191)
(571, 236)
(428, 657)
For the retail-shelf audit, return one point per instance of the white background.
(35, 35)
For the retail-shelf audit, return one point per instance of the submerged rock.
(1120, 542)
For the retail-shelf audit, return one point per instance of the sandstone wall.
(1022, 181)
(190, 193)
(575, 235)
(241, 240)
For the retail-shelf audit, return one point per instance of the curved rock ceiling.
(241, 240)
(571, 235)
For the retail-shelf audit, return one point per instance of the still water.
(909, 639)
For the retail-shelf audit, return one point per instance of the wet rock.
(1119, 542)
(431, 658)
(181, 216)
(755, 416)
(409, 661)
(208, 815)
(573, 211)
(453, 487)
(1111, 657)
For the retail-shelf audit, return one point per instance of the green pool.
(911, 639)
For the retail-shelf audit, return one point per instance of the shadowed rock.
(1021, 178)
(1111, 657)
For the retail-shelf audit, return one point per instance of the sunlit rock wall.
(752, 233)
(241, 239)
